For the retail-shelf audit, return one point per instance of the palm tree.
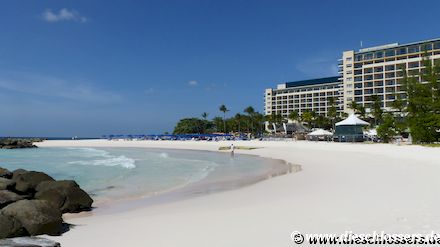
(205, 115)
(353, 105)
(293, 115)
(224, 110)
(307, 117)
(251, 112)
(238, 118)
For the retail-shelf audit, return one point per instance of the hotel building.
(369, 71)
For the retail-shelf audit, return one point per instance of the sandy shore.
(357, 187)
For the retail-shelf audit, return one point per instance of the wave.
(103, 158)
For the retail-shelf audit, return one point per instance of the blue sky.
(88, 67)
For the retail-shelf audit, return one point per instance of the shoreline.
(357, 187)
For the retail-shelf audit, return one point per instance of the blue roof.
(312, 82)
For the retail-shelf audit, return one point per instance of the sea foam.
(104, 158)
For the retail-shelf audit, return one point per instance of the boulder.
(9, 227)
(27, 181)
(5, 173)
(6, 184)
(28, 242)
(8, 197)
(66, 195)
(36, 216)
(13, 143)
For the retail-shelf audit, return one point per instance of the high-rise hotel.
(369, 71)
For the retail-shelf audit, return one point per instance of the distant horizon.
(86, 68)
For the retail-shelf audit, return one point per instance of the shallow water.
(130, 172)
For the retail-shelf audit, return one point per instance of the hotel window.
(427, 47)
(368, 56)
(390, 75)
(401, 51)
(349, 72)
(349, 78)
(368, 84)
(390, 53)
(437, 45)
(379, 54)
(349, 59)
(358, 85)
(358, 72)
(413, 65)
(378, 76)
(358, 92)
(378, 69)
(368, 91)
(413, 49)
(378, 90)
(358, 99)
(368, 70)
(378, 83)
(368, 77)
(358, 78)
(358, 58)
(389, 67)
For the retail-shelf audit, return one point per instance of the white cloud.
(49, 86)
(193, 83)
(63, 15)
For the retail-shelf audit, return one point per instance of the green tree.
(387, 129)
(238, 119)
(192, 126)
(423, 103)
(251, 112)
(293, 115)
(307, 117)
(376, 109)
(224, 109)
(332, 112)
(205, 115)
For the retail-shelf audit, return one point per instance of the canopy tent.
(319, 135)
(352, 120)
(320, 132)
(350, 129)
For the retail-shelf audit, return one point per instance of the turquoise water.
(126, 172)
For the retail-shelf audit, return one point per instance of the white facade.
(370, 71)
(301, 96)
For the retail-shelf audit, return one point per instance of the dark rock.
(27, 181)
(8, 197)
(6, 184)
(13, 143)
(28, 242)
(5, 173)
(66, 195)
(9, 227)
(36, 216)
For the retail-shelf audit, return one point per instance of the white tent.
(352, 120)
(320, 132)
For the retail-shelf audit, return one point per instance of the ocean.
(108, 173)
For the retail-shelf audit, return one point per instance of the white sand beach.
(357, 187)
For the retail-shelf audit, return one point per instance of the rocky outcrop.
(5, 173)
(10, 227)
(28, 242)
(8, 197)
(27, 181)
(66, 196)
(13, 143)
(32, 203)
(36, 216)
(6, 184)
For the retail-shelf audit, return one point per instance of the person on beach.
(232, 148)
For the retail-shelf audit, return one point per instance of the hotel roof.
(394, 45)
(313, 81)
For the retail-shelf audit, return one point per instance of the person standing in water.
(232, 150)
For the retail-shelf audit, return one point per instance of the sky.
(89, 68)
